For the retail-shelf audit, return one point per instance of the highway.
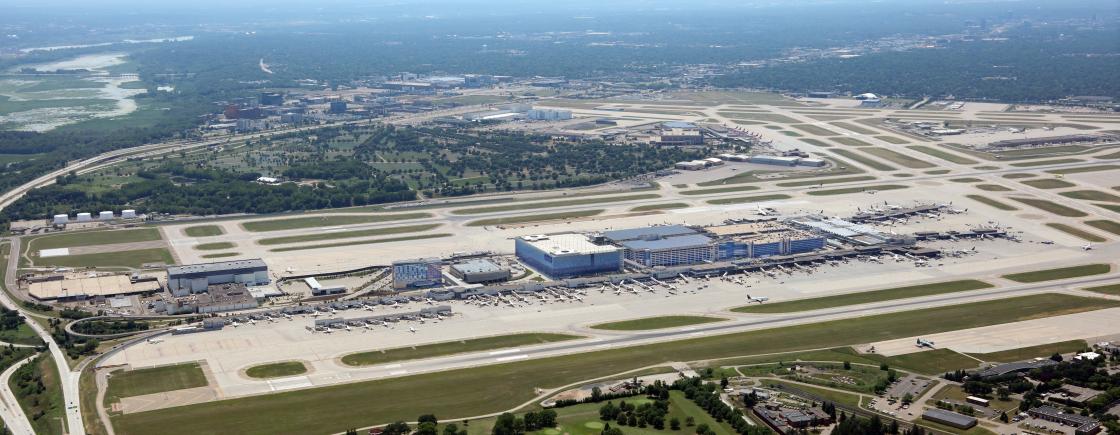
(10, 410)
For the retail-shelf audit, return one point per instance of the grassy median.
(912, 291)
(326, 221)
(1059, 273)
(452, 347)
(660, 322)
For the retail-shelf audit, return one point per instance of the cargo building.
(196, 278)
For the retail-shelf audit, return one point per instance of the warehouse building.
(949, 418)
(566, 255)
(63, 288)
(417, 273)
(479, 270)
(318, 289)
(196, 278)
(1084, 425)
(548, 115)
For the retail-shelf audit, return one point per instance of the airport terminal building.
(567, 255)
(196, 278)
(417, 273)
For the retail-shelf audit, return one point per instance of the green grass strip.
(660, 322)
(1060, 273)
(361, 242)
(535, 218)
(326, 221)
(451, 348)
(848, 190)
(744, 199)
(551, 204)
(347, 234)
(913, 291)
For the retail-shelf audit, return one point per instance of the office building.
(338, 107)
(417, 273)
(479, 270)
(271, 99)
(566, 255)
(548, 115)
(196, 278)
(1084, 425)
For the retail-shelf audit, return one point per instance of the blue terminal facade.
(567, 255)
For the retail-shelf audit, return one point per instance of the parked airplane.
(925, 343)
(411, 329)
(1087, 247)
(155, 340)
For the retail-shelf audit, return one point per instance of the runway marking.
(390, 366)
(511, 358)
(399, 372)
(503, 352)
(289, 383)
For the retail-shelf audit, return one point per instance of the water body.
(53, 108)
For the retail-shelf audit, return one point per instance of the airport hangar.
(197, 278)
(572, 254)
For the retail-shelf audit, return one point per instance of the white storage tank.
(105, 215)
(85, 217)
(128, 214)
(60, 219)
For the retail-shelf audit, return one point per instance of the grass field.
(276, 370)
(472, 391)
(891, 139)
(1051, 207)
(1077, 232)
(899, 158)
(1111, 289)
(666, 206)
(90, 238)
(913, 291)
(992, 188)
(933, 362)
(966, 180)
(326, 221)
(1096, 168)
(23, 334)
(745, 199)
(991, 202)
(154, 380)
(660, 322)
(848, 399)
(1044, 162)
(347, 234)
(361, 242)
(828, 181)
(1091, 195)
(452, 347)
(551, 204)
(1019, 175)
(848, 190)
(1025, 353)
(837, 167)
(1046, 183)
(535, 218)
(814, 130)
(130, 259)
(1059, 273)
(215, 246)
(1113, 207)
(864, 160)
(852, 127)
(850, 141)
(718, 190)
(944, 155)
(816, 142)
(203, 231)
(1110, 226)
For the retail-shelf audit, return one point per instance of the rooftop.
(683, 241)
(480, 265)
(648, 232)
(220, 266)
(948, 416)
(570, 243)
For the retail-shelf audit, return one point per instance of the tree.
(689, 421)
(847, 365)
(1003, 417)
(547, 418)
(1003, 393)
(723, 382)
(907, 398)
(451, 429)
(884, 367)
(427, 428)
(1057, 357)
(397, 428)
(427, 418)
(508, 424)
(351, 431)
(674, 423)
